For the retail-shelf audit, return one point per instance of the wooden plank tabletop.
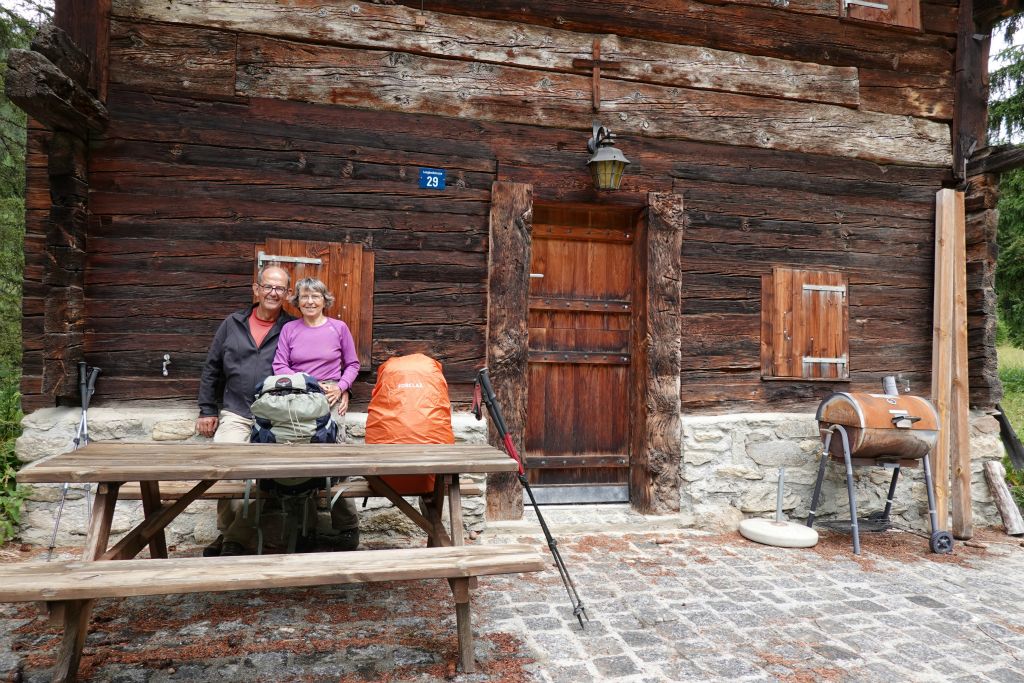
(161, 461)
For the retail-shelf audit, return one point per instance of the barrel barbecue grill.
(883, 430)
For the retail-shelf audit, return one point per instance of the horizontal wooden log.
(172, 59)
(413, 83)
(37, 86)
(770, 31)
(57, 46)
(268, 153)
(998, 159)
(928, 96)
(391, 27)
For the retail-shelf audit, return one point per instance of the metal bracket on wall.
(263, 257)
(863, 3)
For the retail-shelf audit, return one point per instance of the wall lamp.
(606, 163)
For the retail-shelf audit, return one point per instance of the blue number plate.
(432, 178)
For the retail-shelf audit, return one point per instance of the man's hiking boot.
(232, 549)
(346, 539)
(215, 548)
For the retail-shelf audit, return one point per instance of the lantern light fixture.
(606, 163)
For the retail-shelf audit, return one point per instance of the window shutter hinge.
(825, 288)
(864, 3)
(268, 258)
(832, 361)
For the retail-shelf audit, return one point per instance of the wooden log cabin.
(772, 240)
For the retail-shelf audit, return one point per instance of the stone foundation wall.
(730, 468)
(50, 431)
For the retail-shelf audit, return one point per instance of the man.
(240, 357)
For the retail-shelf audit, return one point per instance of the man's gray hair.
(313, 285)
(273, 264)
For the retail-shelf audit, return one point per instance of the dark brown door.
(580, 308)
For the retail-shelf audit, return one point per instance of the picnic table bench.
(71, 587)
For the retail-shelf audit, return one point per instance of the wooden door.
(580, 311)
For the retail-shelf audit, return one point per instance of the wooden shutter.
(346, 269)
(901, 13)
(804, 326)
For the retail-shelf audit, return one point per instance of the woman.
(323, 348)
(317, 345)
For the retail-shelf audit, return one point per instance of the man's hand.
(206, 426)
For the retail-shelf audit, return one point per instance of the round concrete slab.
(780, 534)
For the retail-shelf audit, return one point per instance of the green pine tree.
(1006, 123)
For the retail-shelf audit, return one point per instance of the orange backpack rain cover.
(410, 404)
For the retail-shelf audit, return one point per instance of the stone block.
(798, 427)
(739, 472)
(776, 453)
(699, 457)
(760, 498)
(174, 430)
(717, 517)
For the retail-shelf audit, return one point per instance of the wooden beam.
(413, 83)
(995, 475)
(970, 112)
(51, 97)
(88, 25)
(656, 432)
(57, 46)
(959, 405)
(942, 347)
(997, 159)
(376, 26)
(508, 284)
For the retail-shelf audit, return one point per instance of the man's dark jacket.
(234, 366)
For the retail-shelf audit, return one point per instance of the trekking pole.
(483, 391)
(86, 387)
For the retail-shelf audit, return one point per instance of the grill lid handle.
(904, 421)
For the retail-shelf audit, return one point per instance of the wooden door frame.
(655, 425)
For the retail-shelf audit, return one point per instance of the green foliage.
(1006, 122)
(16, 31)
(1011, 374)
(11, 495)
(1010, 267)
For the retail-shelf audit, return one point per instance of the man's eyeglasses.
(272, 289)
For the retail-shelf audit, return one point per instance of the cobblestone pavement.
(664, 605)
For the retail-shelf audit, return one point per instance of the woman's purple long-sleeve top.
(327, 352)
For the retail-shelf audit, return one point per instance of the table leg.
(77, 612)
(455, 510)
(463, 623)
(151, 504)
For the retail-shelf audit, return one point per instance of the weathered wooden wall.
(796, 139)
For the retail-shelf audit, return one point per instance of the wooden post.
(995, 474)
(508, 283)
(655, 437)
(959, 405)
(942, 347)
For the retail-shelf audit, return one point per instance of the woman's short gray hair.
(314, 285)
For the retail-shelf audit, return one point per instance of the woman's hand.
(333, 393)
(343, 404)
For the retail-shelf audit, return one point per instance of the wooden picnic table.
(110, 464)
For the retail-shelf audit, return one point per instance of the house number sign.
(431, 178)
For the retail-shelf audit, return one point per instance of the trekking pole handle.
(83, 377)
(89, 388)
(487, 393)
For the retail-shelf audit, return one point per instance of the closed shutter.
(804, 324)
(346, 269)
(901, 13)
